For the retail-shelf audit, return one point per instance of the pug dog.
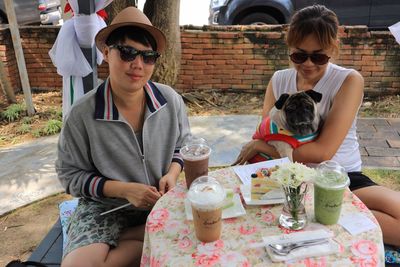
(293, 121)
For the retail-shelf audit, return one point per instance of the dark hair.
(317, 20)
(133, 33)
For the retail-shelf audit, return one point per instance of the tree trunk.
(6, 86)
(164, 14)
(116, 6)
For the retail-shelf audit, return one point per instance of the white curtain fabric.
(66, 54)
(72, 91)
(395, 30)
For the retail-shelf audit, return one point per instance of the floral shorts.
(86, 225)
(392, 255)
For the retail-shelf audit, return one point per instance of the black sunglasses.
(128, 53)
(299, 58)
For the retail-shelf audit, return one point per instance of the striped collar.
(274, 129)
(105, 108)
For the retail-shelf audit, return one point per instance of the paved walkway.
(27, 170)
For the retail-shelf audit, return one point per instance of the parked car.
(33, 11)
(376, 14)
(50, 11)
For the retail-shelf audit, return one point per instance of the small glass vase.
(293, 214)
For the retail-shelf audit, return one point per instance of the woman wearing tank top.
(312, 40)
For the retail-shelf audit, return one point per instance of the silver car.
(33, 11)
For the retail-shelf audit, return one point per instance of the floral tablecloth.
(170, 239)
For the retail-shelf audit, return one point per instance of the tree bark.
(6, 86)
(164, 14)
(116, 6)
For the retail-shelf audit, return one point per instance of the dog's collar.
(274, 129)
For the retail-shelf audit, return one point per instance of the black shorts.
(359, 180)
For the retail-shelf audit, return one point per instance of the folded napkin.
(304, 252)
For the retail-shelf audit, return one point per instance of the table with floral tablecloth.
(170, 239)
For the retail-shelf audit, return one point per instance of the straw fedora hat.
(131, 16)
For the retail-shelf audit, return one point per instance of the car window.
(350, 12)
(384, 13)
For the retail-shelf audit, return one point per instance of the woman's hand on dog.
(253, 147)
(248, 151)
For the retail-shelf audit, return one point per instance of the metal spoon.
(285, 249)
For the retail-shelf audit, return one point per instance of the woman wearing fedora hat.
(120, 147)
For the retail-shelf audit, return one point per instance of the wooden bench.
(49, 251)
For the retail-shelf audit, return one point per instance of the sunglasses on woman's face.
(128, 54)
(299, 58)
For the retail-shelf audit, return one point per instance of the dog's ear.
(282, 99)
(316, 96)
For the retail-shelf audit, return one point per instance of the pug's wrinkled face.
(297, 113)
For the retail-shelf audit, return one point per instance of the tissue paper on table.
(304, 252)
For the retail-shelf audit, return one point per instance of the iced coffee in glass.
(206, 196)
(195, 154)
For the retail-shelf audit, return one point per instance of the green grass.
(24, 128)
(26, 120)
(13, 112)
(56, 114)
(388, 178)
(36, 133)
(386, 106)
(4, 140)
(52, 127)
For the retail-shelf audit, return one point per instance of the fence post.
(19, 54)
(87, 7)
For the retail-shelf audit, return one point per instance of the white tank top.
(284, 81)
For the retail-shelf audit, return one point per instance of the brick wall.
(7, 55)
(238, 57)
(231, 57)
(36, 43)
(215, 57)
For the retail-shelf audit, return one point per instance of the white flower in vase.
(293, 178)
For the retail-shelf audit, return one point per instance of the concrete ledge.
(225, 134)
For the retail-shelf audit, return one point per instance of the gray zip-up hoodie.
(97, 143)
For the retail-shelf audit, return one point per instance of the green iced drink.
(329, 187)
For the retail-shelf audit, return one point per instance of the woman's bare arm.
(269, 100)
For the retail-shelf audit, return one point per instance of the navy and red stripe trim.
(177, 158)
(99, 105)
(105, 108)
(154, 99)
(94, 186)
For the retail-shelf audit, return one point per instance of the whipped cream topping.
(206, 196)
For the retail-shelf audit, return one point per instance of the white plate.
(276, 197)
(234, 211)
